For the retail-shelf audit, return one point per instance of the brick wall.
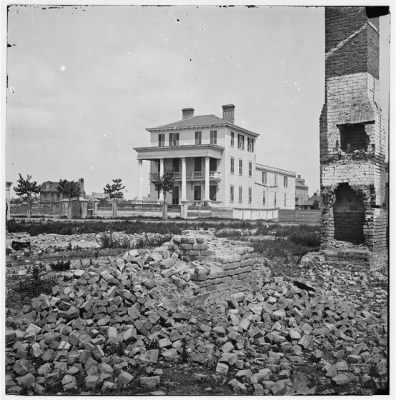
(350, 31)
(352, 115)
(221, 275)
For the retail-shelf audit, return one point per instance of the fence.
(308, 217)
(38, 210)
(131, 209)
(135, 209)
(254, 214)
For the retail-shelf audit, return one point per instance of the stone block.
(222, 368)
(150, 382)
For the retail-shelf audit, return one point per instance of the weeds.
(70, 228)
(60, 266)
(35, 228)
(285, 230)
(108, 241)
(228, 233)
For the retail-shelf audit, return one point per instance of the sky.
(85, 82)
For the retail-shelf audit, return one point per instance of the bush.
(310, 239)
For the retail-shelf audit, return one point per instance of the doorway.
(175, 195)
(197, 193)
(212, 192)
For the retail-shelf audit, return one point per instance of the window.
(232, 165)
(232, 139)
(285, 181)
(250, 195)
(275, 179)
(263, 177)
(250, 168)
(213, 165)
(231, 194)
(263, 198)
(274, 199)
(198, 137)
(197, 164)
(173, 139)
(240, 194)
(161, 140)
(284, 200)
(250, 145)
(213, 137)
(176, 164)
(240, 167)
(241, 142)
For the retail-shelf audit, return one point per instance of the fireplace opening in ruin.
(349, 215)
(353, 137)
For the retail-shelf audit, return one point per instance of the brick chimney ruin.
(352, 137)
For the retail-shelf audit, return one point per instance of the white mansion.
(213, 160)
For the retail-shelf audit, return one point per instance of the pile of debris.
(117, 327)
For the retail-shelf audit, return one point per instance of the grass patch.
(70, 228)
(285, 230)
(281, 248)
(292, 240)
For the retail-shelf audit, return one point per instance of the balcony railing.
(215, 174)
(193, 175)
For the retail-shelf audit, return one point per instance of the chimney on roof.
(187, 113)
(228, 112)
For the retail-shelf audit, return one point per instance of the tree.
(69, 189)
(26, 190)
(164, 184)
(115, 189)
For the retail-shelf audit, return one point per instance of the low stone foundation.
(350, 257)
(217, 272)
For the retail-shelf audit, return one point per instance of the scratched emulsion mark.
(345, 41)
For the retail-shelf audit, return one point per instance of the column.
(207, 177)
(140, 180)
(183, 180)
(161, 173)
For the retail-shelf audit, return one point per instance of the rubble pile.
(51, 243)
(119, 326)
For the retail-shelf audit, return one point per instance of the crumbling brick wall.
(352, 136)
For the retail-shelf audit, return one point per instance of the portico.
(196, 170)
